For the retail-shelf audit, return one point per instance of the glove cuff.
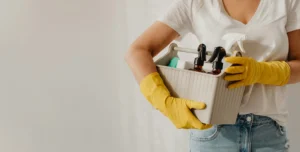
(286, 74)
(154, 89)
(276, 73)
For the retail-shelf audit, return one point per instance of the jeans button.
(249, 118)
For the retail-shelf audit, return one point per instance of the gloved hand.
(176, 109)
(248, 71)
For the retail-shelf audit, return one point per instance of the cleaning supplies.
(217, 66)
(177, 63)
(222, 104)
(199, 61)
(173, 62)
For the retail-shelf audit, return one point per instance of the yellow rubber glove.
(248, 71)
(176, 109)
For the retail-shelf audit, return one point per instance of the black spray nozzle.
(202, 51)
(201, 55)
(218, 53)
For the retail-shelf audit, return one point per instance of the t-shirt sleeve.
(293, 19)
(178, 16)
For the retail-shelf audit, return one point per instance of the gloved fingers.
(236, 85)
(195, 105)
(236, 60)
(235, 77)
(206, 126)
(235, 69)
(196, 123)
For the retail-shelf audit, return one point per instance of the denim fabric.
(251, 133)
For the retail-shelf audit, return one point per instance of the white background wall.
(64, 86)
(59, 74)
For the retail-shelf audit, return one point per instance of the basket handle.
(174, 48)
(164, 60)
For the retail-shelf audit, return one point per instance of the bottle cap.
(201, 55)
(218, 53)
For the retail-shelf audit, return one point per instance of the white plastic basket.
(222, 103)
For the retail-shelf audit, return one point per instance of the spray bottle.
(218, 54)
(199, 61)
(234, 42)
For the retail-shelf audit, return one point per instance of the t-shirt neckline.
(253, 18)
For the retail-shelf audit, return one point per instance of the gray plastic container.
(222, 103)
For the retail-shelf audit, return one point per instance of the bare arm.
(294, 56)
(141, 52)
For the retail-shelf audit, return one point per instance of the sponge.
(173, 62)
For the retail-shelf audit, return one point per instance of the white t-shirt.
(266, 40)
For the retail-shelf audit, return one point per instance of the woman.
(272, 61)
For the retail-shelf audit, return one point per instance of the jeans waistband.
(253, 119)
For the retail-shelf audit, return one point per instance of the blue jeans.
(251, 133)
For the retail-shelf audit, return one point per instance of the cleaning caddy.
(210, 87)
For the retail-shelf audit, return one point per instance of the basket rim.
(189, 71)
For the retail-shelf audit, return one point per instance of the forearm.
(295, 71)
(294, 56)
(140, 62)
(145, 47)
